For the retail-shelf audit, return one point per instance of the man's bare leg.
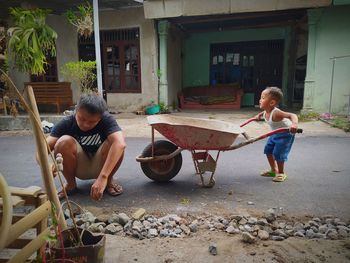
(66, 145)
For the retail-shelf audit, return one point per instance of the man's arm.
(116, 150)
(51, 142)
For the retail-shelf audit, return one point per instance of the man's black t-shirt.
(90, 140)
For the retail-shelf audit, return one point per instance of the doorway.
(253, 65)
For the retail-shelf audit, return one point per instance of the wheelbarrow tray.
(194, 133)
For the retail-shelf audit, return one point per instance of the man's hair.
(275, 93)
(92, 103)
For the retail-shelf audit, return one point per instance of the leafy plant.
(83, 72)
(31, 40)
(82, 19)
(309, 116)
(341, 123)
(163, 108)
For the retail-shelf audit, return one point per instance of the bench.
(54, 93)
(221, 96)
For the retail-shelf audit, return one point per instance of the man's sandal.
(69, 193)
(268, 174)
(114, 189)
(280, 178)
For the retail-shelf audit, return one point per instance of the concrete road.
(318, 183)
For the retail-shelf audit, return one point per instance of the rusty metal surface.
(194, 133)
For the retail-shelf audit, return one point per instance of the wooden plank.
(29, 191)
(30, 249)
(15, 200)
(28, 222)
(19, 243)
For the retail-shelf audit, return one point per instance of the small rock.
(310, 233)
(252, 220)
(103, 218)
(323, 229)
(219, 226)
(299, 234)
(120, 218)
(250, 203)
(342, 233)
(248, 238)
(193, 227)
(138, 214)
(213, 249)
(232, 230)
(263, 235)
(243, 221)
(113, 228)
(332, 234)
(277, 238)
(164, 233)
(153, 232)
(97, 227)
(185, 229)
(262, 222)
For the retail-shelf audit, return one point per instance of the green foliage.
(163, 108)
(341, 123)
(31, 40)
(159, 73)
(82, 19)
(309, 116)
(83, 72)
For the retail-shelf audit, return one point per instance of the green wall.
(197, 51)
(332, 40)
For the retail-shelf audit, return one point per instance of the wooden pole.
(46, 171)
(6, 212)
(28, 222)
(29, 249)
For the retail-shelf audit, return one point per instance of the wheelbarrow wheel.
(165, 170)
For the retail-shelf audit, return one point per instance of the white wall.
(131, 18)
(174, 8)
(66, 47)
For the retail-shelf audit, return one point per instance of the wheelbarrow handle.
(249, 121)
(263, 136)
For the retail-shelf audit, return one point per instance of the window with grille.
(120, 54)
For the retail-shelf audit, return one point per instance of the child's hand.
(293, 129)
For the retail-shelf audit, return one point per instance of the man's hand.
(98, 188)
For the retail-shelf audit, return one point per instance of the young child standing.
(278, 145)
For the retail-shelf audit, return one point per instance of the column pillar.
(163, 27)
(313, 18)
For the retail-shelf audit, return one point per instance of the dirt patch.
(229, 249)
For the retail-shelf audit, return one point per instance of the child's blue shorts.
(279, 146)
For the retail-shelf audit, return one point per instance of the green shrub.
(309, 116)
(83, 72)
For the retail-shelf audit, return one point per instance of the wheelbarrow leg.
(207, 165)
(195, 161)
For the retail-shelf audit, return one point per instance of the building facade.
(151, 52)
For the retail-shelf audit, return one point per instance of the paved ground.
(318, 171)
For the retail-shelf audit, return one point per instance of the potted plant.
(31, 40)
(83, 73)
(82, 19)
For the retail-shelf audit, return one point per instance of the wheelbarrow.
(161, 160)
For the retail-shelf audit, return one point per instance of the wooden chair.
(14, 225)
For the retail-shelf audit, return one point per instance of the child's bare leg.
(272, 163)
(280, 166)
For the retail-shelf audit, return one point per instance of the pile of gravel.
(271, 226)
